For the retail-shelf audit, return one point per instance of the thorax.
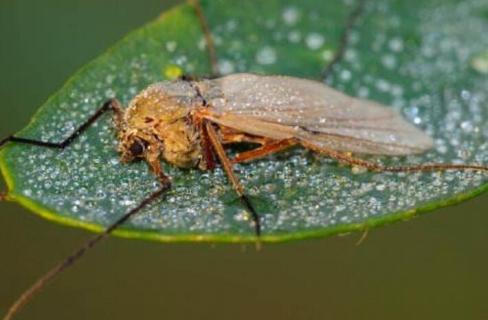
(161, 115)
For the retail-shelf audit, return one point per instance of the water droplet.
(314, 41)
(382, 85)
(266, 55)
(109, 94)
(226, 67)
(231, 25)
(345, 75)
(327, 55)
(294, 36)
(127, 202)
(467, 126)
(290, 15)
(171, 46)
(358, 170)
(363, 92)
(242, 216)
(396, 44)
(389, 61)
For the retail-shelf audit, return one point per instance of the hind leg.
(347, 158)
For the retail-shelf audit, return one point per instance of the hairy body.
(164, 121)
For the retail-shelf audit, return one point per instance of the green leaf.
(428, 60)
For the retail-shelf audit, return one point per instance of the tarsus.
(110, 105)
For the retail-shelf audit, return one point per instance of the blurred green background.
(433, 267)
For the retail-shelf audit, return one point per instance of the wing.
(281, 106)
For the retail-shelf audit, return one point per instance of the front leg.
(155, 166)
(110, 105)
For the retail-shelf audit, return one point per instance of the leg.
(265, 150)
(208, 161)
(208, 154)
(110, 105)
(73, 258)
(227, 166)
(231, 136)
(212, 53)
(363, 237)
(344, 157)
(155, 166)
(345, 39)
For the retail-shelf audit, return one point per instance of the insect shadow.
(188, 122)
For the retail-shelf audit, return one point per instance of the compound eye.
(137, 148)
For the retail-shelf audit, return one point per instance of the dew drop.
(109, 94)
(127, 202)
(358, 170)
(363, 92)
(231, 25)
(266, 55)
(171, 46)
(389, 61)
(294, 36)
(382, 85)
(467, 126)
(242, 216)
(290, 15)
(226, 67)
(396, 44)
(327, 55)
(345, 75)
(314, 41)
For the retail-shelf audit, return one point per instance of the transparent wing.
(312, 111)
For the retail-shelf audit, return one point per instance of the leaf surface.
(428, 60)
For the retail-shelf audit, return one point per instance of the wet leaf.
(427, 60)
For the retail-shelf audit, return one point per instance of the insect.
(188, 123)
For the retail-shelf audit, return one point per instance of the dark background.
(433, 267)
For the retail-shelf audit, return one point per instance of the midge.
(187, 123)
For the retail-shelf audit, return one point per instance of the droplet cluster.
(429, 64)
